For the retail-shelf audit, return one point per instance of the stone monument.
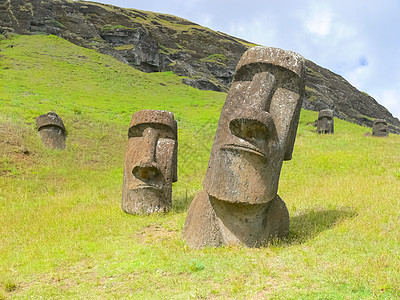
(325, 122)
(51, 130)
(379, 128)
(150, 162)
(256, 132)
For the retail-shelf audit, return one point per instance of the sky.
(357, 39)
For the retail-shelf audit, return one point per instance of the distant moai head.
(257, 127)
(51, 130)
(380, 128)
(150, 162)
(325, 122)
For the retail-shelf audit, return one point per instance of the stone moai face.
(51, 130)
(255, 134)
(257, 127)
(150, 162)
(325, 122)
(379, 128)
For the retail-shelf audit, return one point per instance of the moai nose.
(147, 172)
(254, 130)
(249, 129)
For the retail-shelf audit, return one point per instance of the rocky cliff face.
(154, 42)
(325, 89)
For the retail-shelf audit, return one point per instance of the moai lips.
(51, 130)
(379, 128)
(255, 134)
(150, 162)
(325, 122)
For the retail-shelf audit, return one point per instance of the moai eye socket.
(163, 131)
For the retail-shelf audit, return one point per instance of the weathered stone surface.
(255, 134)
(325, 123)
(380, 128)
(150, 162)
(51, 130)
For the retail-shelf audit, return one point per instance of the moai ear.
(175, 156)
(292, 131)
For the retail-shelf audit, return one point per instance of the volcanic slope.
(154, 42)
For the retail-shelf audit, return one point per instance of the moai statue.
(51, 130)
(256, 132)
(325, 122)
(379, 128)
(150, 162)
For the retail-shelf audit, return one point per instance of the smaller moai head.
(380, 128)
(325, 122)
(257, 127)
(51, 130)
(150, 162)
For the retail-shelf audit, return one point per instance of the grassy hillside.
(63, 234)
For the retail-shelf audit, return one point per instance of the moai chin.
(380, 128)
(51, 130)
(150, 162)
(256, 132)
(325, 122)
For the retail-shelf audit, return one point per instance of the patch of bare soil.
(154, 232)
(13, 153)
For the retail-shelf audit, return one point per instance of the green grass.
(216, 58)
(116, 27)
(63, 234)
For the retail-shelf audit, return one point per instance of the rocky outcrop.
(153, 42)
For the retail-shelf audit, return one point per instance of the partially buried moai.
(256, 132)
(380, 128)
(325, 122)
(51, 130)
(150, 162)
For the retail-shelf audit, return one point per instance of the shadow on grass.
(303, 226)
(311, 222)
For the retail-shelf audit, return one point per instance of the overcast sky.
(358, 39)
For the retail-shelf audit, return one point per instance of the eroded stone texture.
(325, 122)
(380, 128)
(150, 162)
(51, 130)
(256, 132)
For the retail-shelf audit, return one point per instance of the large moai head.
(51, 130)
(325, 122)
(255, 134)
(257, 127)
(380, 128)
(150, 162)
